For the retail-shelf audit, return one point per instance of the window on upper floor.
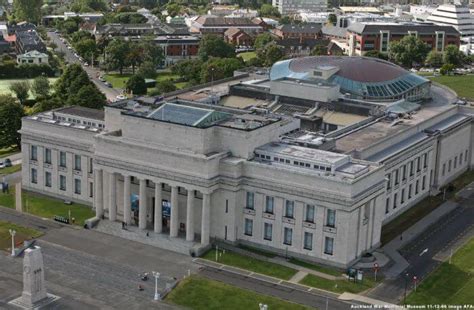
(331, 218)
(289, 208)
(250, 201)
(269, 204)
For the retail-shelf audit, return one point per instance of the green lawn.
(251, 264)
(461, 84)
(324, 269)
(247, 55)
(339, 286)
(199, 293)
(421, 209)
(257, 251)
(10, 170)
(449, 284)
(8, 151)
(119, 81)
(47, 207)
(22, 233)
(5, 86)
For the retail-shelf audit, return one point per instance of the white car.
(121, 97)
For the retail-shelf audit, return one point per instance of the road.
(110, 93)
(422, 252)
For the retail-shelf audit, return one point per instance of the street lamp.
(263, 306)
(13, 233)
(157, 276)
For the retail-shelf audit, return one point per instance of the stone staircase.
(164, 241)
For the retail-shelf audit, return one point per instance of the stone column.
(112, 196)
(205, 219)
(98, 193)
(158, 227)
(126, 200)
(174, 212)
(142, 205)
(190, 216)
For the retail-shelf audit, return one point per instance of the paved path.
(298, 277)
(282, 261)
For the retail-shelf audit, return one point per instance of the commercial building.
(219, 25)
(247, 169)
(294, 6)
(458, 16)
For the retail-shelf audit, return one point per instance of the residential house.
(33, 57)
(238, 37)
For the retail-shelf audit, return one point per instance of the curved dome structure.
(361, 77)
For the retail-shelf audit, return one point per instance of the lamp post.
(157, 276)
(13, 233)
(263, 306)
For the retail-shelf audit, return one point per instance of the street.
(110, 93)
(422, 252)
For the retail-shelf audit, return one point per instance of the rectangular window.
(77, 162)
(331, 218)
(269, 205)
(267, 234)
(402, 196)
(455, 162)
(423, 183)
(91, 189)
(460, 159)
(308, 241)
(62, 159)
(418, 164)
(250, 201)
(328, 245)
(77, 186)
(34, 152)
(412, 168)
(47, 156)
(387, 205)
(91, 167)
(288, 236)
(425, 160)
(449, 165)
(389, 181)
(444, 169)
(416, 186)
(289, 208)
(465, 155)
(248, 227)
(47, 179)
(409, 191)
(396, 177)
(395, 200)
(34, 176)
(227, 206)
(404, 172)
(309, 216)
(62, 182)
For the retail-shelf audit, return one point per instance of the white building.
(202, 173)
(32, 57)
(454, 15)
(294, 6)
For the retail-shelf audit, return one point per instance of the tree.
(376, 54)
(40, 87)
(28, 10)
(319, 50)
(219, 68)
(152, 53)
(262, 39)
(10, 121)
(164, 87)
(87, 48)
(270, 54)
(88, 96)
(173, 9)
(452, 55)
(47, 104)
(189, 70)
(129, 18)
(214, 46)
(89, 6)
(434, 59)
(21, 90)
(267, 10)
(332, 19)
(408, 50)
(136, 85)
(117, 52)
(147, 70)
(446, 69)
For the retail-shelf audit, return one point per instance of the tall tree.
(147, 70)
(452, 55)
(434, 59)
(136, 85)
(41, 87)
(117, 52)
(270, 54)
(28, 10)
(214, 46)
(263, 39)
(21, 90)
(408, 50)
(10, 121)
(267, 10)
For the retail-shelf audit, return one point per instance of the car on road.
(108, 84)
(121, 97)
(5, 163)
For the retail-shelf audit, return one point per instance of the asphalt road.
(422, 251)
(110, 93)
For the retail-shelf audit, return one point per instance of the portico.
(158, 209)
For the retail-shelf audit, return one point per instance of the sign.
(166, 208)
(360, 275)
(376, 267)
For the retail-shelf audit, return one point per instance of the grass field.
(119, 81)
(46, 207)
(451, 283)
(251, 264)
(247, 56)
(324, 269)
(9, 170)
(339, 286)
(461, 84)
(5, 86)
(199, 293)
(8, 151)
(257, 251)
(22, 233)
(421, 209)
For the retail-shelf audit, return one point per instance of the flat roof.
(82, 112)
(242, 102)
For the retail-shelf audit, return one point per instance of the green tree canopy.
(270, 54)
(268, 10)
(332, 19)
(136, 85)
(220, 68)
(408, 50)
(10, 121)
(147, 69)
(214, 46)
(28, 10)
(319, 50)
(47, 104)
(164, 87)
(20, 89)
(263, 39)
(89, 6)
(117, 52)
(41, 87)
(376, 54)
(173, 8)
(434, 59)
(129, 18)
(452, 55)
(189, 70)
(88, 96)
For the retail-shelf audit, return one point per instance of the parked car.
(121, 97)
(6, 163)
(108, 84)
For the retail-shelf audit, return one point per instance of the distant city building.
(32, 57)
(27, 41)
(238, 37)
(177, 48)
(298, 31)
(86, 17)
(313, 17)
(457, 16)
(294, 6)
(218, 25)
